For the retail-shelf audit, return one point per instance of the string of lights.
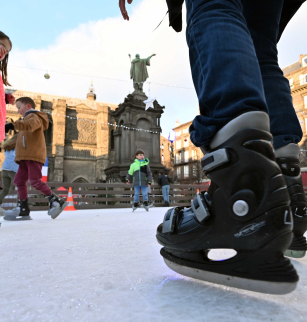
(100, 77)
(297, 83)
(105, 123)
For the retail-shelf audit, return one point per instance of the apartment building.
(296, 73)
(187, 167)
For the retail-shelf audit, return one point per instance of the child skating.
(245, 109)
(31, 155)
(140, 174)
(9, 168)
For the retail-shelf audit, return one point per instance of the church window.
(178, 144)
(291, 83)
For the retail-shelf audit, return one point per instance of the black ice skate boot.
(146, 206)
(287, 158)
(21, 212)
(135, 206)
(246, 209)
(56, 205)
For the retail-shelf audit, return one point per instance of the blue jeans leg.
(263, 21)
(224, 66)
(136, 193)
(144, 193)
(165, 192)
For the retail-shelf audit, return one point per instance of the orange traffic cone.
(70, 201)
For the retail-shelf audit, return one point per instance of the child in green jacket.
(141, 175)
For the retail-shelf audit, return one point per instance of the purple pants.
(32, 171)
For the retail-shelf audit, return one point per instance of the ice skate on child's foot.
(287, 158)
(146, 206)
(247, 209)
(56, 205)
(21, 212)
(135, 206)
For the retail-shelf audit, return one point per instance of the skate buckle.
(169, 220)
(214, 159)
(200, 210)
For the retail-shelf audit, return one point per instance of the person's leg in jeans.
(136, 193)
(164, 192)
(144, 193)
(224, 66)
(264, 30)
(247, 205)
(285, 126)
(167, 193)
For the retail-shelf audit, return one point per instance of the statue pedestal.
(132, 114)
(139, 95)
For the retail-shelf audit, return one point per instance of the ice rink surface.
(104, 265)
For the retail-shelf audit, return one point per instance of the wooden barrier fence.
(104, 195)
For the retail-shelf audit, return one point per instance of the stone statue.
(138, 71)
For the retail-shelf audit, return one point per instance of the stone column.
(58, 140)
(102, 150)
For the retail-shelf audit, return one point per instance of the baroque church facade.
(81, 145)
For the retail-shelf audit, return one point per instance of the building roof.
(182, 125)
(71, 101)
(292, 68)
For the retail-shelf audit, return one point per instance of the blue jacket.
(9, 163)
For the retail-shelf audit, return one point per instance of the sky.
(80, 41)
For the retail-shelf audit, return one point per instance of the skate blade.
(53, 216)
(18, 218)
(295, 253)
(233, 281)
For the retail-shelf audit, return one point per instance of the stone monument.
(143, 127)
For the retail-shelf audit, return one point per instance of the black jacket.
(289, 9)
(164, 180)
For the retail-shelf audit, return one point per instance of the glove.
(9, 127)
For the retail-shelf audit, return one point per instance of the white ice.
(104, 265)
